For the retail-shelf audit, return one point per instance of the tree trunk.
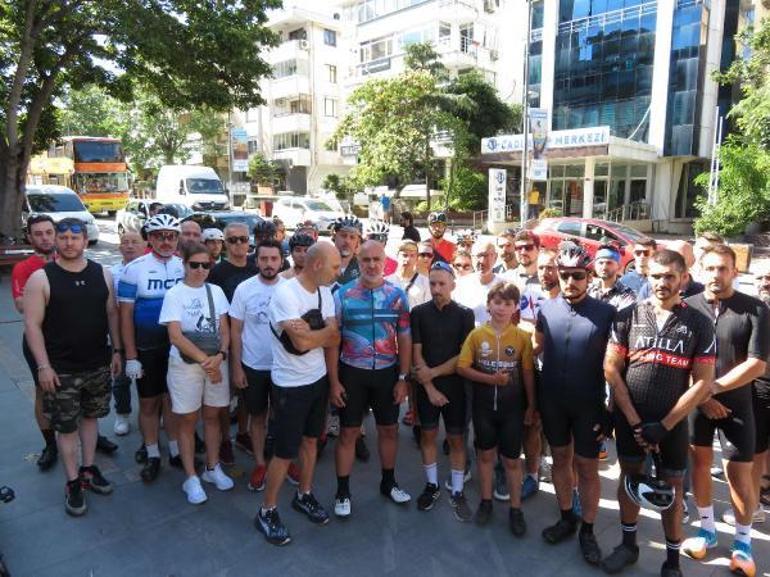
(12, 181)
(427, 170)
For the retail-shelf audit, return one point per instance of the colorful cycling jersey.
(144, 283)
(370, 321)
(659, 361)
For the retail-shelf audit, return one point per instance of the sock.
(49, 436)
(706, 515)
(586, 528)
(300, 494)
(458, 480)
(388, 478)
(343, 486)
(431, 473)
(173, 448)
(743, 533)
(152, 451)
(629, 534)
(672, 554)
(566, 515)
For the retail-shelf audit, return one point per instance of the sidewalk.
(151, 531)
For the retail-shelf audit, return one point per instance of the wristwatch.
(402, 376)
(224, 355)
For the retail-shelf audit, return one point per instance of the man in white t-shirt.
(251, 354)
(471, 290)
(414, 284)
(305, 340)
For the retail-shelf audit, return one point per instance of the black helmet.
(300, 239)
(572, 255)
(264, 229)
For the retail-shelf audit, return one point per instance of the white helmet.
(212, 234)
(162, 222)
(648, 491)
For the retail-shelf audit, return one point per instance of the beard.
(436, 233)
(764, 296)
(268, 273)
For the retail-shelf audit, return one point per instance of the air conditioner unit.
(304, 44)
(493, 55)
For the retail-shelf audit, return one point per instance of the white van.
(198, 187)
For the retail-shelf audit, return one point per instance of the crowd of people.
(517, 348)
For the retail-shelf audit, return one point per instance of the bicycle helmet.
(466, 236)
(162, 222)
(647, 491)
(377, 230)
(435, 217)
(212, 234)
(572, 255)
(300, 239)
(264, 229)
(347, 222)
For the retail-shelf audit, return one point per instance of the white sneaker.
(122, 426)
(758, 517)
(195, 493)
(342, 507)
(398, 495)
(218, 477)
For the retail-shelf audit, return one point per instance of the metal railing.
(639, 210)
(480, 217)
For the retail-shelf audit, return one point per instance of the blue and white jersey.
(144, 283)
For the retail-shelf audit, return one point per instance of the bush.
(550, 212)
(467, 190)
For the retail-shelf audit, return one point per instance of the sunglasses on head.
(164, 235)
(576, 275)
(74, 227)
(442, 266)
(194, 264)
(527, 247)
(237, 239)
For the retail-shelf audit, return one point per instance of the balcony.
(296, 156)
(462, 53)
(291, 122)
(458, 10)
(289, 86)
(289, 50)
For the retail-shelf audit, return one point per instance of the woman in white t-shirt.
(198, 377)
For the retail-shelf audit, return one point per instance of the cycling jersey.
(351, 272)
(619, 296)
(370, 320)
(144, 284)
(530, 290)
(443, 250)
(659, 362)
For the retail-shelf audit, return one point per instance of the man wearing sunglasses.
(140, 291)
(69, 312)
(506, 253)
(572, 332)
(637, 278)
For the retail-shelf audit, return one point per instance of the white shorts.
(189, 387)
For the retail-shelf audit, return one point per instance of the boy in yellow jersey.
(497, 359)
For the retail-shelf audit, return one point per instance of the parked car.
(133, 217)
(295, 209)
(220, 219)
(589, 232)
(59, 202)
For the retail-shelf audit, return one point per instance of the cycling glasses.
(73, 225)
(237, 239)
(195, 265)
(526, 247)
(440, 265)
(159, 235)
(576, 275)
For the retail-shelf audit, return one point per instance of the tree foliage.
(342, 186)
(264, 172)
(189, 54)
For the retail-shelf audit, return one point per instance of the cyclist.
(443, 249)
(298, 245)
(379, 230)
(214, 239)
(506, 254)
(346, 236)
(608, 287)
(635, 279)
(761, 411)
(657, 347)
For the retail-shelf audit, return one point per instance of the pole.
(229, 159)
(525, 121)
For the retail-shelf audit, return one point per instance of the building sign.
(538, 169)
(538, 128)
(497, 186)
(239, 145)
(579, 137)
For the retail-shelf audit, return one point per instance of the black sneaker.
(48, 457)
(312, 509)
(150, 470)
(516, 522)
(462, 511)
(176, 462)
(200, 446)
(141, 454)
(483, 513)
(590, 548)
(620, 557)
(75, 498)
(105, 446)
(668, 571)
(93, 479)
(428, 497)
(270, 525)
(560, 531)
(362, 451)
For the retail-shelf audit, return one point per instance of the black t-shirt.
(227, 276)
(659, 362)
(411, 233)
(742, 328)
(440, 332)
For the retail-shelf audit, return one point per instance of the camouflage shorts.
(85, 394)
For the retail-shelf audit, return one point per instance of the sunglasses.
(74, 227)
(576, 275)
(164, 235)
(642, 253)
(195, 265)
(462, 266)
(526, 247)
(237, 239)
(425, 255)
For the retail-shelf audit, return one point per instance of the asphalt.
(150, 530)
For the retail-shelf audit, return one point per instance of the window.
(289, 68)
(253, 145)
(444, 33)
(331, 73)
(330, 107)
(376, 49)
(301, 104)
(298, 34)
(291, 140)
(330, 37)
(418, 35)
(594, 232)
(571, 227)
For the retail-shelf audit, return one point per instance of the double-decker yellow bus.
(99, 173)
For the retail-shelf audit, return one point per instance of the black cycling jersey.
(742, 326)
(659, 362)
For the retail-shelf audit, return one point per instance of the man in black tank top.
(69, 310)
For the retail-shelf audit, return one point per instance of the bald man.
(689, 286)
(305, 344)
(374, 362)
(190, 231)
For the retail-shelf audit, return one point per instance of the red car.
(588, 232)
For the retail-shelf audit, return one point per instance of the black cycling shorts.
(155, 370)
(737, 433)
(257, 392)
(453, 388)
(30, 358)
(674, 448)
(366, 388)
(761, 399)
(567, 419)
(297, 412)
(498, 419)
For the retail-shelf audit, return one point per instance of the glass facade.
(535, 65)
(604, 60)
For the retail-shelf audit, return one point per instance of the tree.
(263, 171)
(422, 56)
(189, 54)
(342, 186)
(93, 112)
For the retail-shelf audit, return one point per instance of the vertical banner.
(239, 145)
(538, 124)
(497, 186)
